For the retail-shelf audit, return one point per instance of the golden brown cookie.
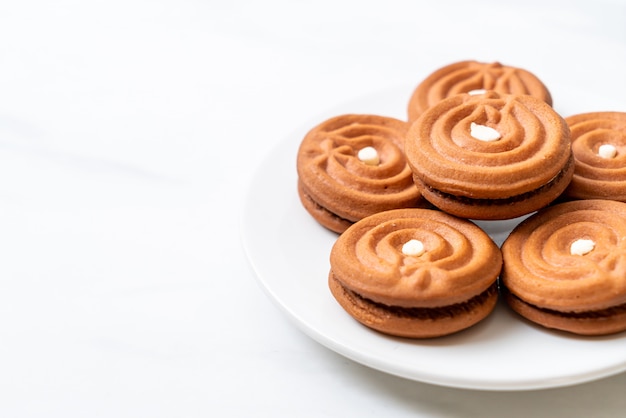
(415, 273)
(565, 267)
(599, 146)
(490, 156)
(352, 166)
(474, 76)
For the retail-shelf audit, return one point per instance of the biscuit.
(565, 267)
(416, 273)
(599, 146)
(474, 76)
(339, 183)
(490, 156)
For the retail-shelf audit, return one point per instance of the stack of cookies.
(481, 142)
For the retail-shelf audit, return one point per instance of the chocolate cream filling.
(598, 314)
(433, 313)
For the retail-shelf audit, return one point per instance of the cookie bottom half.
(604, 322)
(323, 216)
(414, 322)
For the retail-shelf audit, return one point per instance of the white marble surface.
(129, 131)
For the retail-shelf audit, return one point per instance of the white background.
(129, 131)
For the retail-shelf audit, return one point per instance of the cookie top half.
(570, 257)
(471, 76)
(415, 258)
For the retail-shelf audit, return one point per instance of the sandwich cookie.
(565, 267)
(352, 166)
(599, 146)
(474, 77)
(490, 156)
(416, 273)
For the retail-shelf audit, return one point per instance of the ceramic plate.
(289, 253)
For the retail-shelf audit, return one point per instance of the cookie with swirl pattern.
(474, 76)
(490, 156)
(599, 146)
(415, 273)
(352, 166)
(565, 267)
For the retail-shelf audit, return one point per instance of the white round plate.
(289, 253)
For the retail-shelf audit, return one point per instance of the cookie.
(599, 146)
(474, 76)
(352, 166)
(565, 267)
(416, 273)
(490, 156)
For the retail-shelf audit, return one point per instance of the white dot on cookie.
(582, 247)
(413, 248)
(607, 151)
(484, 133)
(369, 156)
